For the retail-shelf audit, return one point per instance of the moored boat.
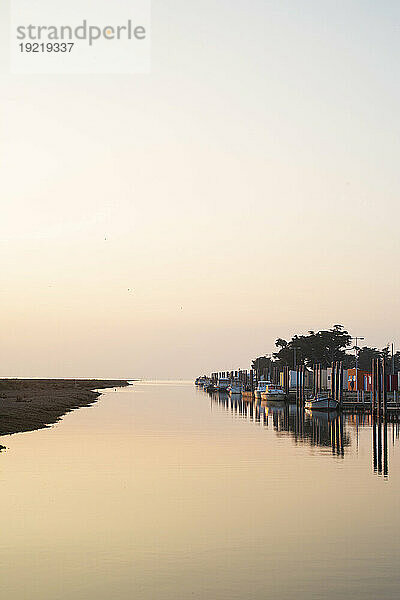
(274, 392)
(261, 388)
(322, 403)
(236, 387)
(211, 387)
(223, 384)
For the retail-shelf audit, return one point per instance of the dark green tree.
(262, 365)
(322, 347)
(365, 357)
(390, 362)
(397, 362)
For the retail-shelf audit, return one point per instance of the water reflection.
(321, 430)
(379, 448)
(150, 494)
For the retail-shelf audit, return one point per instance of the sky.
(175, 223)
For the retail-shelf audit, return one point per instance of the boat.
(211, 387)
(274, 392)
(235, 388)
(201, 381)
(321, 402)
(261, 388)
(223, 384)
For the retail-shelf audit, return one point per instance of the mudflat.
(29, 404)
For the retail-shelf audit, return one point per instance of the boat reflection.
(325, 431)
(320, 430)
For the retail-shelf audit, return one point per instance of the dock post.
(379, 371)
(340, 382)
(301, 385)
(286, 380)
(384, 389)
(320, 377)
(379, 444)
(373, 390)
(314, 381)
(335, 381)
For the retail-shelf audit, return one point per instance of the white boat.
(274, 392)
(223, 384)
(236, 388)
(201, 381)
(322, 403)
(261, 388)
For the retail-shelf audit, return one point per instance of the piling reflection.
(380, 447)
(325, 431)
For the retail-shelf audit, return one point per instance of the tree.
(365, 357)
(262, 365)
(397, 362)
(386, 354)
(322, 347)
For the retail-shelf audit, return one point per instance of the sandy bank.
(28, 404)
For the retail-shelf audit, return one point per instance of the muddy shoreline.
(29, 404)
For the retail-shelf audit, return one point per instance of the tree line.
(324, 347)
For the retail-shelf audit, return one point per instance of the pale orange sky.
(178, 222)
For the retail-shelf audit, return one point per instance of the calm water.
(160, 492)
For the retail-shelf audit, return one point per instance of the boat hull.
(210, 388)
(322, 404)
(273, 397)
(223, 385)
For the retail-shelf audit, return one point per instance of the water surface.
(161, 492)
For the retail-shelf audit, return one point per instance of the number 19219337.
(46, 47)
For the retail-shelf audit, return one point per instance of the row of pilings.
(379, 389)
(248, 378)
(379, 392)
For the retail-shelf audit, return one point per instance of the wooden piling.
(286, 380)
(340, 383)
(384, 389)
